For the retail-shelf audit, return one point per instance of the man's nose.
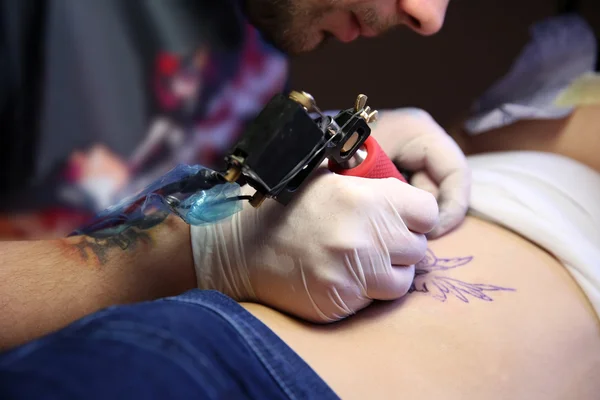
(424, 16)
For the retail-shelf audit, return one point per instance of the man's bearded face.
(297, 26)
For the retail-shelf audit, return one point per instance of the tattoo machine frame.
(280, 149)
(284, 145)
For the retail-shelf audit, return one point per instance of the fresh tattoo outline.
(430, 281)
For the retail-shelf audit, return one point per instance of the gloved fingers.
(453, 200)
(390, 284)
(343, 301)
(417, 208)
(324, 306)
(396, 128)
(423, 181)
(436, 156)
(423, 144)
(451, 217)
(405, 248)
(327, 297)
(452, 196)
(394, 243)
(435, 152)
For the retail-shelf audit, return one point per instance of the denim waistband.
(200, 344)
(286, 367)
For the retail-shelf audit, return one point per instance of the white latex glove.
(340, 244)
(414, 141)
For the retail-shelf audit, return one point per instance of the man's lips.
(349, 31)
(353, 27)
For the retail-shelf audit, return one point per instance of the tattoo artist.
(342, 243)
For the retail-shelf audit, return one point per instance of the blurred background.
(443, 74)
(82, 131)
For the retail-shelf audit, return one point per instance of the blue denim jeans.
(199, 345)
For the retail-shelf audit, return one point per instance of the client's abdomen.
(490, 316)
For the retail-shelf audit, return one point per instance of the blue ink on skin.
(429, 280)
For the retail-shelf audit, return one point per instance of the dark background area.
(442, 74)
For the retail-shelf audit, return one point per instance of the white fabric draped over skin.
(551, 200)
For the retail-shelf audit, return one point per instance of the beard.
(293, 25)
(288, 24)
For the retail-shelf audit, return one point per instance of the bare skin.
(576, 136)
(298, 26)
(540, 340)
(46, 285)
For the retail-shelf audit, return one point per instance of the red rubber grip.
(377, 165)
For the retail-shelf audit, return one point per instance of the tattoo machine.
(285, 144)
(289, 139)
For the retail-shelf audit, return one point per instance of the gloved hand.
(340, 244)
(414, 141)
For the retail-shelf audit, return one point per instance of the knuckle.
(424, 205)
(347, 239)
(326, 279)
(429, 203)
(384, 189)
(417, 114)
(407, 283)
(390, 181)
(420, 113)
(426, 201)
(355, 195)
(419, 249)
(411, 252)
(415, 250)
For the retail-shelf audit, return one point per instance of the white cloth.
(561, 49)
(549, 199)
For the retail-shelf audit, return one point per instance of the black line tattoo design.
(430, 279)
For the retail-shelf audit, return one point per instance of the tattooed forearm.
(430, 278)
(97, 247)
(97, 250)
